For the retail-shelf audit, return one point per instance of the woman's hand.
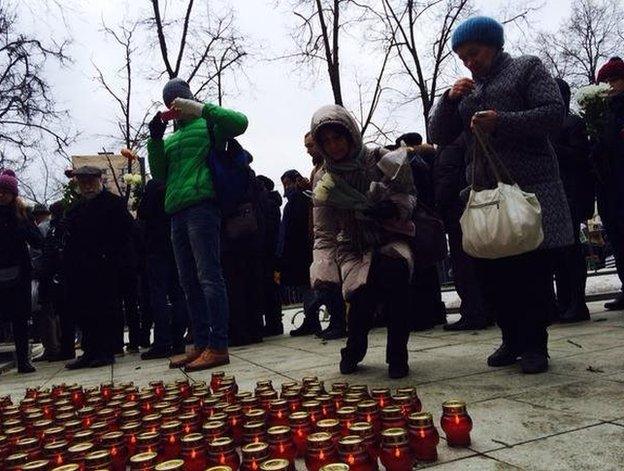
(461, 88)
(485, 121)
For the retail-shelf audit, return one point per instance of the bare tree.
(30, 119)
(591, 34)
(132, 133)
(209, 46)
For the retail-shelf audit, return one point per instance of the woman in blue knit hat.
(515, 104)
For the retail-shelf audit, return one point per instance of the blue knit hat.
(479, 29)
(176, 88)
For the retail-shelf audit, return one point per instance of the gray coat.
(530, 108)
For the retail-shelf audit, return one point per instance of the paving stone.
(602, 364)
(597, 447)
(593, 399)
(476, 463)
(504, 422)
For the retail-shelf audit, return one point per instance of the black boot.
(398, 371)
(273, 329)
(534, 362)
(575, 314)
(464, 323)
(503, 356)
(334, 332)
(310, 326)
(617, 304)
(83, 361)
(156, 353)
(25, 367)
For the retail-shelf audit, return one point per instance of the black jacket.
(273, 216)
(572, 147)
(296, 246)
(15, 237)
(156, 223)
(449, 179)
(97, 236)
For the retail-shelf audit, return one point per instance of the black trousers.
(387, 286)
(468, 285)
(519, 290)
(426, 294)
(611, 210)
(270, 294)
(241, 271)
(16, 306)
(571, 274)
(129, 315)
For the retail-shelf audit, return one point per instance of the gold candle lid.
(255, 447)
(171, 465)
(213, 425)
(80, 448)
(361, 427)
(394, 436)
(319, 439)
(350, 443)
(67, 467)
(335, 467)
(219, 417)
(421, 419)
(407, 391)
(38, 465)
(454, 407)
(279, 432)
(221, 444)
(299, 417)
(391, 412)
(192, 439)
(275, 465)
(143, 458)
(219, 468)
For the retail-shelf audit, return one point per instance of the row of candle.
(299, 424)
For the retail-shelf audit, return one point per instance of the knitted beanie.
(8, 182)
(614, 69)
(176, 88)
(479, 29)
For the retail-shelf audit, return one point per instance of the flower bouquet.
(592, 101)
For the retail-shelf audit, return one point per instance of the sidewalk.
(569, 418)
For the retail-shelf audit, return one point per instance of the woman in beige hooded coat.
(363, 201)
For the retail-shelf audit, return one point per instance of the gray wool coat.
(530, 108)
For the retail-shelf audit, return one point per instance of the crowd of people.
(207, 256)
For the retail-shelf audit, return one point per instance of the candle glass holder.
(396, 454)
(253, 455)
(194, 452)
(423, 437)
(456, 423)
(281, 444)
(320, 451)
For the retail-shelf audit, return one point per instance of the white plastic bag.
(502, 222)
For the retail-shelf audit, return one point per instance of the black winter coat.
(15, 237)
(273, 216)
(97, 236)
(571, 145)
(155, 221)
(296, 246)
(449, 179)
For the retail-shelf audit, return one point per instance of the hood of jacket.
(337, 115)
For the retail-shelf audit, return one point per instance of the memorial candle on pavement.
(320, 451)
(456, 423)
(423, 437)
(170, 446)
(223, 452)
(301, 428)
(281, 444)
(396, 454)
(352, 451)
(254, 454)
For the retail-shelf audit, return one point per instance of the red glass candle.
(147, 442)
(38, 428)
(37, 465)
(115, 444)
(208, 408)
(320, 451)
(364, 430)
(130, 431)
(249, 403)
(98, 429)
(281, 444)
(146, 403)
(53, 434)
(337, 398)
(328, 408)
(158, 388)
(96, 460)
(235, 422)
(291, 386)
(106, 391)
(405, 403)
(340, 386)
(76, 396)
(278, 413)
(14, 434)
(263, 385)
(87, 415)
(222, 452)
(77, 453)
(214, 429)
(256, 415)
(4, 447)
(191, 423)
(83, 436)
(331, 426)
(293, 401)
(346, 417)
(194, 452)
(191, 405)
(423, 437)
(184, 387)
(382, 397)
(254, 454)
(29, 446)
(351, 400)
(15, 461)
(396, 454)
(56, 452)
(456, 423)
(143, 462)
(215, 380)
(411, 392)
(368, 411)
(359, 389)
(170, 445)
(254, 432)
(352, 451)
(392, 417)
(308, 380)
(265, 398)
(313, 408)
(301, 428)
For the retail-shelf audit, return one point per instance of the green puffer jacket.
(180, 160)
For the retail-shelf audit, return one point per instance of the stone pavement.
(571, 418)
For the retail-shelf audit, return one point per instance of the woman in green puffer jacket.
(180, 162)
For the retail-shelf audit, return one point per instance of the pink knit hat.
(614, 69)
(8, 181)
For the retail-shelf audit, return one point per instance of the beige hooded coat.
(334, 259)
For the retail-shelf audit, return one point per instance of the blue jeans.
(167, 301)
(195, 233)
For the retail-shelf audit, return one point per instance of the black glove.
(157, 127)
(383, 210)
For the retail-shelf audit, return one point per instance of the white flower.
(127, 178)
(323, 188)
(136, 179)
(592, 92)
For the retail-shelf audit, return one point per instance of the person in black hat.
(98, 228)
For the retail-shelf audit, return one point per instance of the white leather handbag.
(500, 222)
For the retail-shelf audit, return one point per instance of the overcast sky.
(278, 100)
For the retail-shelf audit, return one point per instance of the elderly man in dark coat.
(516, 105)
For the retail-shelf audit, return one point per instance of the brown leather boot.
(179, 361)
(208, 359)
